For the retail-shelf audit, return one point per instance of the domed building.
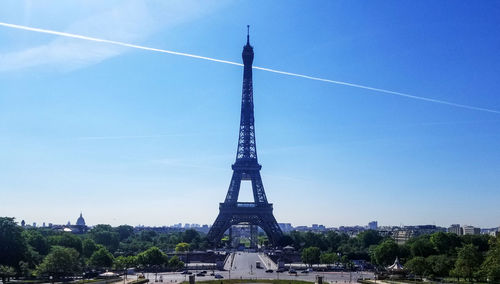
(80, 221)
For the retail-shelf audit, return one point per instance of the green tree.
(346, 262)
(263, 240)
(385, 253)
(298, 239)
(66, 240)
(175, 263)
(60, 262)
(368, 238)
(491, 265)
(445, 243)
(315, 240)
(13, 247)
(148, 236)
(37, 241)
(329, 258)
(124, 231)
(421, 246)
(7, 272)
(481, 242)
(152, 256)
(189, 235)
(32, 257)
(334, 240)
(468, 262)
(101, 258)
(24, 269)
(439, 265)
(89, 247)
(418, 266)
(311, 255)
(182, 247)
(124, 262)
(106, 236)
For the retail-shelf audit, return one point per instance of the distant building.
(80, 221)
(204, 228)
(351, 231)
(317, 228)
(402, 235)
(489, 231)
(286, 227)
(373, 225)
(471, 230)
(34, 224)
(23, 224)
(302, 228)
(455, 229)
(79, 228)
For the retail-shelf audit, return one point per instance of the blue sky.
(140, 137)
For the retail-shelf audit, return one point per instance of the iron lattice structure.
(246, 167)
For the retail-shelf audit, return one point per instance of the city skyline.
(184, 225)
(116, 132)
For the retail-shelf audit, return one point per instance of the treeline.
(356, 248)
(442, 255)
(438, 255)
(41, 252)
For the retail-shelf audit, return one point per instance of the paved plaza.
(241, 265)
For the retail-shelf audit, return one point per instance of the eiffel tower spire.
(247, 151)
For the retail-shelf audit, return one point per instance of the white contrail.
(380, 90)
(70, 35)
(114, 42)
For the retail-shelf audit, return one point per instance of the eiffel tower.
(246, 167)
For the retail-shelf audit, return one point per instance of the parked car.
(292, 272)
(218, 276)
(187, 272)
(281, 270)
(200, 274)
(269, 271)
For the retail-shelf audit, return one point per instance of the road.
(242, 266)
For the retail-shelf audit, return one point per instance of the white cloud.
(127, 21)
